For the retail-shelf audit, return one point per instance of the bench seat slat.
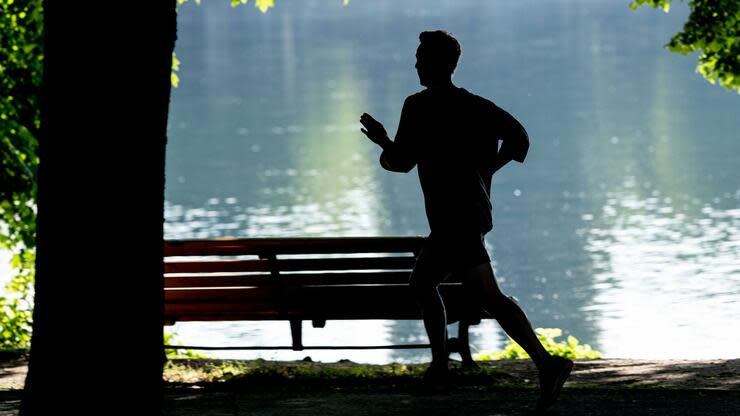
(197, 312)
(359, 263)
(385, 298)
(209, 316)
(244, 295)
(235, 311)
(348, 302)
(339, 278)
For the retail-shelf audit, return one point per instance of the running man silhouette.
(452, 136)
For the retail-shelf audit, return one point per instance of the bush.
(169, 339)
(16, 305)
(568, 349)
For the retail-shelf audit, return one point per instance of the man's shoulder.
(417, 97)
(476, 99)
(460, 98)
(416, 102)
(457, 91)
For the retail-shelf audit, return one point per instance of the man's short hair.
(444, 48)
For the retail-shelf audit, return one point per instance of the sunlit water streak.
(667, 281)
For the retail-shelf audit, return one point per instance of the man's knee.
(421, 288)
(514, 300)
(498, 304)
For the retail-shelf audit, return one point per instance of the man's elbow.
(520, 144)
(394, 166)
(521, 151)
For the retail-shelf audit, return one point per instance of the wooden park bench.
(301, 279)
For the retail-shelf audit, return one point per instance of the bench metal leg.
(318, 323)
(296, 332)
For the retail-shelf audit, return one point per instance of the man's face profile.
(422, 66)
(430, 68)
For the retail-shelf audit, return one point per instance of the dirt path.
(12, 372)
(598, 387)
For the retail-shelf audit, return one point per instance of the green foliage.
(665, 5)
(16, 307)
(21, 64)
(169, 339)
(21, 61)
(209, 372)
(263, 5)
(307, 373)
(569, 349)
(174, 79)
(713, 30)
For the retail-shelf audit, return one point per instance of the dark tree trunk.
(97, 336)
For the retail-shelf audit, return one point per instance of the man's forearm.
(503, 157)
(394, 158)
(501, 162)
(385, 143)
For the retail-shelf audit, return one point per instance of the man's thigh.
(430, 269)
(459, 251)
(445, 254)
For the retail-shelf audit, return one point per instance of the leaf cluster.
(169, 339)
(571, 348)
(262, 5)
(21, 65)
(16, 309)
(712, 30)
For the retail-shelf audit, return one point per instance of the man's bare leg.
(435, 318)
(424, 282)
(506, 311)
(553, 371)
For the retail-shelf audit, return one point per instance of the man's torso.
(456, 157)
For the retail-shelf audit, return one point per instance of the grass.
(307, 375)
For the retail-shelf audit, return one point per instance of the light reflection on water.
(621, 227)
(348, 215)
(667, 280)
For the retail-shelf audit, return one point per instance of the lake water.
(622, 227)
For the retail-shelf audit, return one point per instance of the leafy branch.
(712, 30)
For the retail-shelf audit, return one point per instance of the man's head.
(436, 57)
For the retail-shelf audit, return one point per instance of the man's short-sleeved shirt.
(452, 136)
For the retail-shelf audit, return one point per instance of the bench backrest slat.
(275, 246)
(262, 279)
(215, 266)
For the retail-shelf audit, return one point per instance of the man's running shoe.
(552, 377)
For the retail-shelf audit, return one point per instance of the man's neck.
(447, 84)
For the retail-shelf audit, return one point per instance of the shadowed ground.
(597, 387)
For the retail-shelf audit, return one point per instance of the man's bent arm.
(394, 160)
(514, 140)
(399, 155)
